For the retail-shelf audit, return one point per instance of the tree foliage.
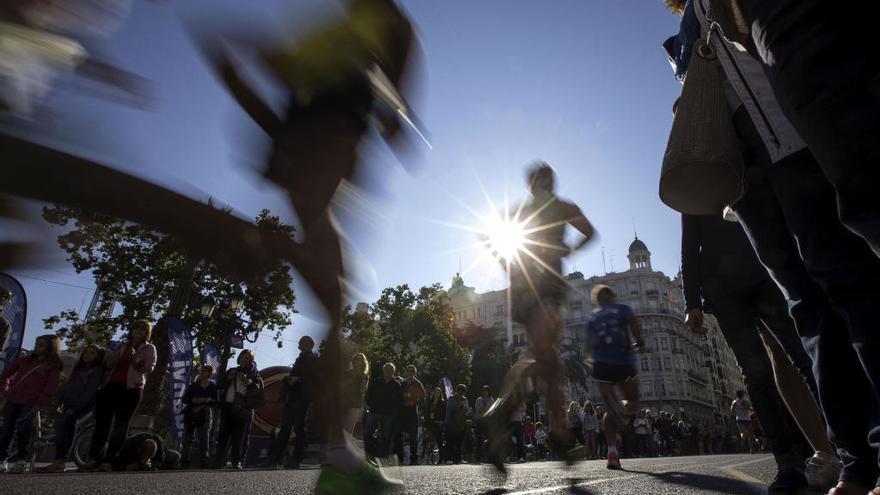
(142, 273)
(405, 327)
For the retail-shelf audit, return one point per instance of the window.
(499, 310)
(479, 312)
(667, 365)
(664, 344)
(645, 366)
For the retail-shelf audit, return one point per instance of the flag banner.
(447, 384)
(210, 355)
(180, 357)
(12, 319)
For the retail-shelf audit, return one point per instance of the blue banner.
(180, 357)
(12, 320)
(210, 355)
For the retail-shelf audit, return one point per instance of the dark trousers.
(294, 420)
(378, 447)
(828, 275)
(406, 426)
(437, 439)
(114, 407)
(65, 430)
(739, 315)
(482, 438)
(519, 433)
(825, 71)
(202, 425)
(232, 436)
(454, 441)
(18, 422)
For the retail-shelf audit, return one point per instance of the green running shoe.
(368, 480)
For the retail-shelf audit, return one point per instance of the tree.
(403, 327)
(148, 275)
(490, 357)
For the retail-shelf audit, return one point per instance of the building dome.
(637, 245)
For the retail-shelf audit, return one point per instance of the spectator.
(237, 389)
(540, 441)
(354, 387)
(27, 385)
(298, 392)
(144, 452)
(601, 441)
(591, 427)
(383, 398)
(77, 398)
(529, 429)
(199, 399)
(406, 423)
(643, 435)
(5, 326)
(575, 423)
(482, 404)
(435, 417)
(467, 445)
(456, 423)
(519, 433)
(118, 399)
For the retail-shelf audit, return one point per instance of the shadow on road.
(702, 482)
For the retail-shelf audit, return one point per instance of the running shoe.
(822, 471)
(18, 467)
(614, 461)
(788, 482)
(368, 480)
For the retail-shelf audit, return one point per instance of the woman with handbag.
(239, 391)
(120, 395)
(200, 399)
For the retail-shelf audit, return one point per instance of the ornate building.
(678, 370)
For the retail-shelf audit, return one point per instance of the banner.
(180, 357)
(210, 355)
(12, 320)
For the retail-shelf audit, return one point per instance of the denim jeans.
(739, 315)
(823, 63)
(114, 407)
(65, 431)
(18, 422)
(829, 277)
(202, 425)
(381, 446)
(293, 420)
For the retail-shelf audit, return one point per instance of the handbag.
(702, 167)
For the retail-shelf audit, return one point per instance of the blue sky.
(581, 84)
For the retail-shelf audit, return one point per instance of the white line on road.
(753, 461)
(563, 487)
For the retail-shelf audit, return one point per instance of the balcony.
(697, 377)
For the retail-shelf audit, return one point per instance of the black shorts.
(613, 373)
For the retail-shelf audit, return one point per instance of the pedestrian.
(538, 292)
(239, 390)
(299, 391)
(575, 424)
(643, 435)
(456, 424)
(119, 397)
(519, 433)
(27, 385)
(354, 388)
(808, 203)
(383, 399)
(482, 404)
(435, 418)
(406, 421)
(529, 428)
(145, 452)
(75, 400)
(199, 401)
(613, 352)
(540, 441)
(591, 428)
(601, 440)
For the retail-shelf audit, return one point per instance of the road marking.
(753, 461)
(565, 487)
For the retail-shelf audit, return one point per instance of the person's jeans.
(406, 424)
(294, 420)
(824, 66)
(829, 277)
(739, 315)
(18, 422)
(114, 407)
(519, 435)
(382, 444)
(65, 431)
(203, 426)
(232, 437)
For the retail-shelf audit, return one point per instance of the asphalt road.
(703, 475)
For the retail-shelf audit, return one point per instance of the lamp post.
(234, 327)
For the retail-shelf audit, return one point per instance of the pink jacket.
(141, 365)
(30, 381)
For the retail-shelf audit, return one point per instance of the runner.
(538, 291)
(614, 362)
(742, 410)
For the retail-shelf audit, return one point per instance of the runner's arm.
(582, 225)
(635, 326)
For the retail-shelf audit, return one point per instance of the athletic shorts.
(613, 373)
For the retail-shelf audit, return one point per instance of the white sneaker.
(4, 466)
(17, 468)
(822, 470)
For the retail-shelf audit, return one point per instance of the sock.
(612, 450)
(343, 458)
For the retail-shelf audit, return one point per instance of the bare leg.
(797, 396)
(543, 330)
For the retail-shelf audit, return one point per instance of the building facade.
(679, 371)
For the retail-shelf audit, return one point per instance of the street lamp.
(234, 327)
(208, 307)
(236, 301)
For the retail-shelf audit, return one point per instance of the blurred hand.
(694, 321)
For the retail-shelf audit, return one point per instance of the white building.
(678, 370)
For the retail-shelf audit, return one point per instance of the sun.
(505, 237)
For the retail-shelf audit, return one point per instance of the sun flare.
(505, 237)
